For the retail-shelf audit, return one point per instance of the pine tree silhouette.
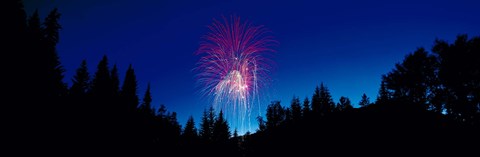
(325, 100)
(221, 130)
(383, 93)
(190, 131)
(53, 68)
(306, 107)
(78, 94)
(364, 101)
(101, 81)
(206, 126)
(128, 93)
(146, 107)
(81, 82)
(190, 138)
(296, 109)
(275, 115)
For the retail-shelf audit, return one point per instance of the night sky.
(347, 45)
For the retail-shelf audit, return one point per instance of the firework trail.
(233, 66)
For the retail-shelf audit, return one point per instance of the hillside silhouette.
(428, 104)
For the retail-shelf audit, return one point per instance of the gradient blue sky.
(347, 45)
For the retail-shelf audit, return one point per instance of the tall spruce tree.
(53, 68)
(221, 130)
(128, 93)
(190, 131)
(326, 103)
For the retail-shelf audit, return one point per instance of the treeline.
(96, 114)
(445, 82)
(430, 99)
(429, 103)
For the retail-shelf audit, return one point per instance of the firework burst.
(233, 66)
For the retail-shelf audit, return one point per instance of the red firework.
(233, 66)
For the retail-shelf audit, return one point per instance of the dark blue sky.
(347, 45)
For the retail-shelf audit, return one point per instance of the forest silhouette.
(429, 103)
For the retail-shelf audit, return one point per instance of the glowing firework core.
(233, 68)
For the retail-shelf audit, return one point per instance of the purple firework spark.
(233, 66)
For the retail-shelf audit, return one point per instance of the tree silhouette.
(78, 94)
(115, 86)
(146, 107)
(129, 90)
(411, 81)
(325, 100)
(211, 120)
(174, 127)
(53, 68)
(235, 138)
(190, 131)
(15, 22)
(34, 38)
(288, 114)
(162, 131)
(261, 124)
(100, 108)
(48, 85)
(206, 126)
(21, 111)
(42, 40)
(15, 45)
(190, 138)
(96, 114)
(383, 93)
(235, 133)
(364, 101)
(34, 93)
(296, 109)
(306, 107)
(81, 82)
(221, 130)
(275, 114)
(459, 76)
(162, 111)
(344, 104)
(101, 81)
(102, 95)
(52, 27)
(150, 128)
